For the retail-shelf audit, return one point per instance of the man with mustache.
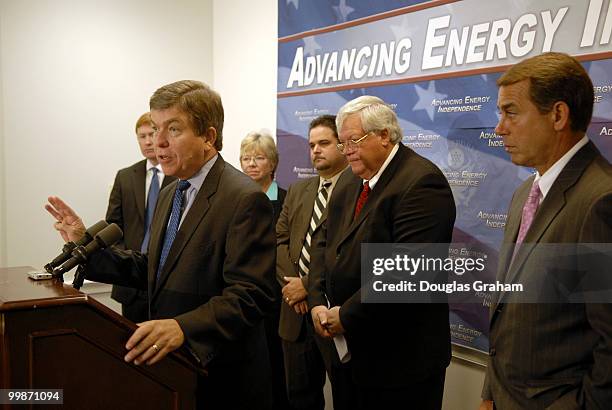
(303, 213)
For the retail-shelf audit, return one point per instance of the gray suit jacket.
(545, 355)
(291, 230)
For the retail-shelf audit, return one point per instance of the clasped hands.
(327, 321)
(294, 294)
(153, 339)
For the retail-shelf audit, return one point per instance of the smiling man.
(210, 266)
(399, 352)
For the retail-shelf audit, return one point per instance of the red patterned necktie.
(363, 197)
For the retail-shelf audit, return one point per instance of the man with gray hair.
(396, 196)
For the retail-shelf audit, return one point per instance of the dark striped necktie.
(317, 213)
(151, 202)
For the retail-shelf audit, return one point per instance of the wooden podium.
(55, 337)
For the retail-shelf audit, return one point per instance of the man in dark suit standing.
(210, 266)
(303, 213)
(131, 205)
(399, 352)
(551, 355)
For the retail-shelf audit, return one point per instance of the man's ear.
(385, 137)
(560, 116)
(210, 136)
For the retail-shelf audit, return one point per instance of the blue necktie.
(173, 224)
(151, 201)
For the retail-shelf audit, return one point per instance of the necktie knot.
(534, 193)
(183, 185)
(154, 170)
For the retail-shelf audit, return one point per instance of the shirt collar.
(333, 180)
(547, 180)
(198, 178)
(272, 191)
(372, 182)
(150, 165)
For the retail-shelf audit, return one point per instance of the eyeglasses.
(351, 144)
(248, 158)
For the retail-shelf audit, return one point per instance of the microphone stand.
(79, 277)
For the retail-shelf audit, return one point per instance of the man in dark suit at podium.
(131, 205)
(210, 266)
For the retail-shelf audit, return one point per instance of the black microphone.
(106, 237)
(70, 246)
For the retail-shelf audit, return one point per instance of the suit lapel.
(347, 224)
(552, 205)
(310, 195)
(400, 156)
(158, 231)
(166, 181)
(139, 178)
(512, 229)
(510, 235)
(194, 217)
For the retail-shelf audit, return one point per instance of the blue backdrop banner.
(436, 63)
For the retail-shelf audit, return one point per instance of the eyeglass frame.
(354, 143)
(253, 158)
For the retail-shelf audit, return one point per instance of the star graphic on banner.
(403, 29)
(311, 46)
(342, 10)
(295, 3)
(426, 96)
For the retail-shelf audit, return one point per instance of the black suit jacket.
(555, 355)
(217, 282)
(277, 204)
(126, 208)
(391, 345)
